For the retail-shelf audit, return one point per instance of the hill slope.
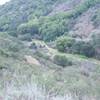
(17, 68)
(49, 50)
(17, 12)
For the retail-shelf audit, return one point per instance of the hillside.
(50, 50)
(15, 69)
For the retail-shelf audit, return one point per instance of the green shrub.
(62, 60)
(83, 48)
(29, 27)
(51, 28)
(4, 53)
(70, 45)
(15, 47)
(41, 55)
(96, 18)
(64, 43)
(96, 39)
(25, 37)
(22, 29)
(96, 43)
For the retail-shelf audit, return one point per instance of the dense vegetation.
(35, 12)
(70, 45)
(41, 43)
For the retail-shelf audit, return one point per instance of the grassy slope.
(16, 74)
(76, 73)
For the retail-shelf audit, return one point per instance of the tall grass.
(29, 91)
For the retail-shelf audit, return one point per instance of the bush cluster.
(62, 60)
(70, 45)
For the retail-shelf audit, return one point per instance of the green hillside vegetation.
(12, 60)
(70, 45)
(42, 57)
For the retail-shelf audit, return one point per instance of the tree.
(96, 43)
(51, 29)
(96, 39)
(64, 43)
(31, 27)
(83, 48)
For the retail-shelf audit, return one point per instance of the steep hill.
(17, 12)
(50, 50)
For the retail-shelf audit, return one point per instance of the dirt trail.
(31, 60)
